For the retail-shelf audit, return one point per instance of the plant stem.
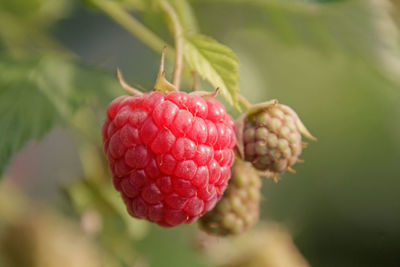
(178, 38)
(195, 76)
(131, 24)
(243, 101)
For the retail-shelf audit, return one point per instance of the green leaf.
(35, 94)
(215, 63)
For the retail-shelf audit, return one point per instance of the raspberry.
(170, 154)
(238, 209)
(270, 137)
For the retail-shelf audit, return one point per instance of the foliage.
(363, 29)
(214, 62)
(35, 94)
(338, 61)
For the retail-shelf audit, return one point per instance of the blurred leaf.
(87, 194)
(172, 247)
(27, 22)
(26, 112)
(35, 11)
(32, 234)
(363, 29)
(37, 93)
(215, 63)
(118, 228)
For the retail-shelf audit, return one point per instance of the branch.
(131, 24)
(178, 38)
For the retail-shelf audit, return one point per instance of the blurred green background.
(337, 63)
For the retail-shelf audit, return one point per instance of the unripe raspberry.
(170, 154)
(238, 209)
(270, 137)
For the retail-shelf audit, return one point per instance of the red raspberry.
(170, 154)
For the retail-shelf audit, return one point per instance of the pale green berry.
(239, 207)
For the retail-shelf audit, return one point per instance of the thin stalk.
(195, 76)
(243, 101)
(178, 39)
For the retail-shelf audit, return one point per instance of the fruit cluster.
(171, 155)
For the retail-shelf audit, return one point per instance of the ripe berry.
(170, 154)
(270, 137)
(239, 208)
